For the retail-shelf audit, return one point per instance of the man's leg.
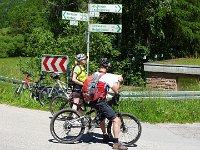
(76, 101)
(116, 127)
(116, 130)
(106, 138)
(103, 127)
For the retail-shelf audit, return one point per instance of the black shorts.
(105, 110)
(77, 95)
(76, 91)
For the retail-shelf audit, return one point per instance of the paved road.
(24, 129)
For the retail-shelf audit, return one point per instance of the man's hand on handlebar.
(115, 98)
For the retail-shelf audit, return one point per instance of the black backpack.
(70, 75)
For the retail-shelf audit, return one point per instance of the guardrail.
(171, 95)
(9, 80)
(160, 93)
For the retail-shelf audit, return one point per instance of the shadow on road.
(91, 138)
(86, 138)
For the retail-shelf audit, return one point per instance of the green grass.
(181, 61)
(159, 111)
(10, 67)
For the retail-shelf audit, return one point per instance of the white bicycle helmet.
(80, 57)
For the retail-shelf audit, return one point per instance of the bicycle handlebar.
(55, 75)
(115, 98)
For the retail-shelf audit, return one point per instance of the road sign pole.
(88, 40)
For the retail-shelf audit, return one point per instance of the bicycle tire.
(59, 103)
(19, 90)
(35, 91)
(130, 123)
(44, 97)
(63, 121)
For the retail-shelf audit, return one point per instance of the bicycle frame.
(24, 84)
(62, 87)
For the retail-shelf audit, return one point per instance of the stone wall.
(171, 77)
(161, 81)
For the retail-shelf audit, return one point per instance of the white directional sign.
(116, 28)
(68, 15)
(73, 22)
(115, 8)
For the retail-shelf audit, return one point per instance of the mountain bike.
(37, 87)
(33, 87)
(60, 88)
(65, 129)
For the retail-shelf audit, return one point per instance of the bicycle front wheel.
(19, 90)
(67, 126)
(59, 103)
(130, 129)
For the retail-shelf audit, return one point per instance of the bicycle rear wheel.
(64, 127)
(59, 103)
(130, 129)
(46, 94)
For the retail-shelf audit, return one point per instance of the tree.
(10, 44)
(183, 27)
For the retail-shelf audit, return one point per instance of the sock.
(115, 140)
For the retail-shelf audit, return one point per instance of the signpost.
(73, 22)
(77, 16)
(115, 28)
(114, 8)
(68, 15)
(93, 11)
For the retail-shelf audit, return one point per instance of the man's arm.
(116, 86)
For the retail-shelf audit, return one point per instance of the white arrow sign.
(116, 28)
(68, 15)
(73, 22)
(115, 8)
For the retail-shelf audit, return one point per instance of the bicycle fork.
(123, 127)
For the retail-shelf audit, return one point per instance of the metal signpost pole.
(88, 39)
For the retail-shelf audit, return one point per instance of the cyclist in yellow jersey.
(79, 76)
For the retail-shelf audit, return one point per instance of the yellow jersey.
(81, 73)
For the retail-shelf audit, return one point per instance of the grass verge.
(159, 111)
(152, 111)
